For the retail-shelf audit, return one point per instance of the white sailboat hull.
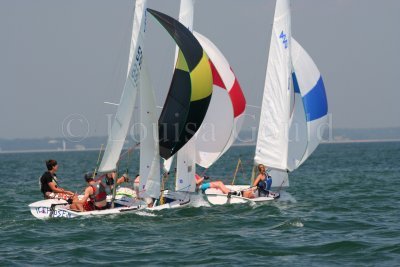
(216, 197)
(55, 208)
(172, 200)
(125, 200)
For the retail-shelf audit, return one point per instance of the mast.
(149, 151)
(185, 160)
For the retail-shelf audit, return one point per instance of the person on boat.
(94, 198)
(149, 200)
(49, 183)
(136, 183)
(110, 178)
(200, 184)
(262, 183)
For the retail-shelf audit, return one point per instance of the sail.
(120, 125)
(186, 11)
(186, 168)
(224, 117)
(185, 163)
(167, 164)
(272, 138)
(149, 152)
(190, 91)
(309, 85)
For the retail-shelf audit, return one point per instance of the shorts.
(88, 206)
(263, 193)
(205, 186)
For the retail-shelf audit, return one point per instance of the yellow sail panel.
(202, 80)
(181, 63)
(190, 91)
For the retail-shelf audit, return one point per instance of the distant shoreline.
(361, 141)
(234, 145)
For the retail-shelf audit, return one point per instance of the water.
(342, 208)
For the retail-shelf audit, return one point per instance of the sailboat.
(224, 116)
(189, 95)
(294, 110)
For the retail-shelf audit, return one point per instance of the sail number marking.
(56, 213)
(137, 66)
(284, 39)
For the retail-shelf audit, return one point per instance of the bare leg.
(75, 205)
(219, 185)
(248, 194)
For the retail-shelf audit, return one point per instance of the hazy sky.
(59, 58)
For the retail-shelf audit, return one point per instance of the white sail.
(149, 151)
(186, 168)
(309, 85)
(305, 102)
(119, 128)
(167, 164)
(185, 160)
(224, 117)
(272, 139)
(225, 113)
(186, 11)
(298, 134)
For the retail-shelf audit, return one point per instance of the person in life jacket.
(110, 178)
(94, 198)
(49, 183)
(262, 183)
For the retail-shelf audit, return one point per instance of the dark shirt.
(46, 178)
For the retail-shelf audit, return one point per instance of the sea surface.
(342, 208)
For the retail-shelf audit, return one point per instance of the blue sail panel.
(315, 102)
(295, 83)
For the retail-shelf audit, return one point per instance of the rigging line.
(98, 162)
(241, 167)
(280, 187)
(236, 170)
(180, 190)
(128, 151)
(127, 163)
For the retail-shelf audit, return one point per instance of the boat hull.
(172, 200)
(216, 197)
(125, 202)
(55, 208)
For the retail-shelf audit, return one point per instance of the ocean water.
(342, 208)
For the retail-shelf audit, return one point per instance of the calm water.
(342, 209)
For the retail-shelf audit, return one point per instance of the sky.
(61, 60)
